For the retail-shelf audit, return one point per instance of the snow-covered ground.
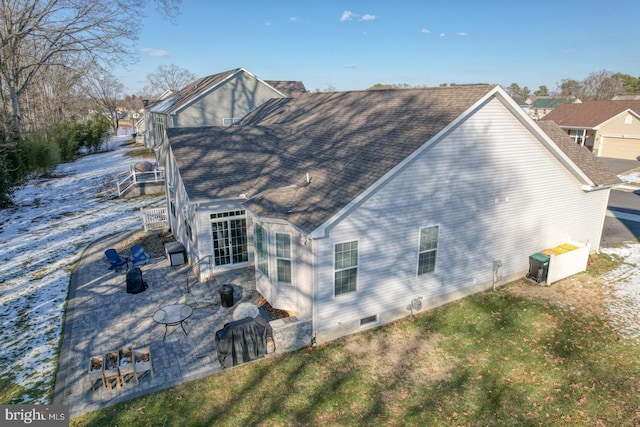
(41, 238)
(56, 219)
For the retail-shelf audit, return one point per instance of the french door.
(229, 232)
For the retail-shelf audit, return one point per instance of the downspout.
(314, 308)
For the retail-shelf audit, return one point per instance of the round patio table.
(173, 315)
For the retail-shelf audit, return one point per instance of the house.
(540, 106)
(145, 122)
(358, 207)
(216, 100)
(607, 128)
(626, 98)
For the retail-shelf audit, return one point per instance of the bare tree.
(104, 89)
(35, 34)
(167, 77)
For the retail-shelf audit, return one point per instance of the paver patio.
(102, 317)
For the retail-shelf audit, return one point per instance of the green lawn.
(489, 359)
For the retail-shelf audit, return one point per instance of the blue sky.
(352, 45)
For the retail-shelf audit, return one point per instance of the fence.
(134, 177)
(155, 219)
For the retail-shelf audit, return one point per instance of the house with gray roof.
(358, 208)
(217, 100)
(607, 128)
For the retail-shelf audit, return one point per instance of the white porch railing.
(155, 219)
(133, 177)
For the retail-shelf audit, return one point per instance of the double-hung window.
(428, 249)
(346, 267)
(283, 257)
(261, 249)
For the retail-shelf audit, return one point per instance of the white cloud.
(156, 53)
(267, 23)
(425, 30)
(295, 19)
(346, 16)
(442, 34)
(462, 34)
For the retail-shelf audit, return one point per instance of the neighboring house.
(217, 100)
(626, 98)
(357, 207)
(608, 128)
(540, 106)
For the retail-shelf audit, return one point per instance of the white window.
(628, 120)
(428, 250)
(261, 249)
(229, 234)
(346, 267)
(578, 135)
(160, 128)
(230, 121)
(283, 257)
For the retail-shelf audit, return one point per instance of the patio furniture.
(116, 260)
(126, 366)
(139, 256)
(143, 363)
(95, 371)
(173, 315)
(110, 372)
(135, 284)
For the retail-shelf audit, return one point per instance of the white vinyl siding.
(496, 192)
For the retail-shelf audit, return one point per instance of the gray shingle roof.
(190, 92)
(288, 88)
(593, 167)
(344, 141)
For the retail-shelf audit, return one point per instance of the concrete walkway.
(102, 317)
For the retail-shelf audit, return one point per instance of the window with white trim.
(428, 249)
(261, 249)
(346, 267)
(229, 237)
(229, 121)
(628, 120)
(578, 135)
(283, 257)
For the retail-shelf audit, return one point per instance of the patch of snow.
(56, 219)
(623, 297)
(630, 177)
(41, 239)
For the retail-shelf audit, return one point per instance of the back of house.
(358, 208)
